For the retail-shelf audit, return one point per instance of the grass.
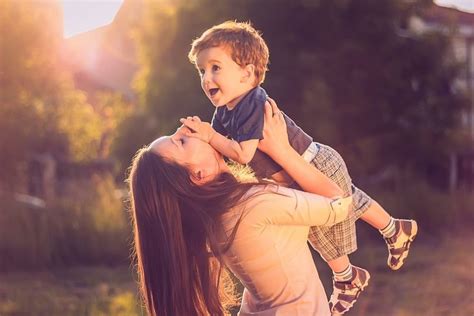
(97, 291)
(436, 280)
(88, 226)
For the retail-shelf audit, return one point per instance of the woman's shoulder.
(252, 197)
(266, 190)
(260, 198)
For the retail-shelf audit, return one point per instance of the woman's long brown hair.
(176, 224)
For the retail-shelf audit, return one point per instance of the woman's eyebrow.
(174, 142)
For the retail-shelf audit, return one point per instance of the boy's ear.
(249, 73)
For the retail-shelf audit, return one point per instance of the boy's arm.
(275, 144)
(241, 152)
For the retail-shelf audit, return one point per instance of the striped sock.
(389, 230)
(343, 276)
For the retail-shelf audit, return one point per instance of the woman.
(191, 216)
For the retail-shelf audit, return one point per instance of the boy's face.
(224, 82)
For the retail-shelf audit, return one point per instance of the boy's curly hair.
(246, 45)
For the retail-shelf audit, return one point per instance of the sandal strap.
(339, 308)
(394, 261)
(347, 297)
(343, 285)
(405, 226)
(398, 251)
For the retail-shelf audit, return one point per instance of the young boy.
(232, 60)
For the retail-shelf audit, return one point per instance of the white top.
(270, 255)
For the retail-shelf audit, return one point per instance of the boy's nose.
(206, 78)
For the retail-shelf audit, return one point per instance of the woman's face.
(200, 158)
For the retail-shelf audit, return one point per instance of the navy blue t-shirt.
(245, 122)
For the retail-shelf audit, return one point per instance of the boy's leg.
(398, 233)
(376, 216)
(339, 264)
(336, 242)
(348, 280)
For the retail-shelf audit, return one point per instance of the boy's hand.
(199, 129)
(182, 130)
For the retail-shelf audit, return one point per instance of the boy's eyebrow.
(209, 61)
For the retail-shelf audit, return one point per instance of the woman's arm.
(278, 205)
(275, 144)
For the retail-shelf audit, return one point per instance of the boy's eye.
(215, 68)
(201, 71)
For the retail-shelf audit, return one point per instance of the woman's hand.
(275, 137)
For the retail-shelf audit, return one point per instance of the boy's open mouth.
(213, 91)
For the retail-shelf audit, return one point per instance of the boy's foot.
(399, 244)
(345, 294)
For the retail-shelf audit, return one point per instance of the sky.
(85, 15)
(465, 5)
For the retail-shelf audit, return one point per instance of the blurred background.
(84, 84)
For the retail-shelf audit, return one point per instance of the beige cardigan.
(270, 255)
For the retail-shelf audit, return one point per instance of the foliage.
(82, 138)
(103, 111)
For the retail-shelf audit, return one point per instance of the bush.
(431, 207)
(87, 227)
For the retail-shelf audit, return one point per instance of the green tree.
(30, 37)
(40, 109)
(345, 70)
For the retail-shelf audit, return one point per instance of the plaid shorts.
(338, 240)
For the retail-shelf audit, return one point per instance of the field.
(437, 280)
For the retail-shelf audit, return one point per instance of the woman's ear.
(248, 74)
(198, 177)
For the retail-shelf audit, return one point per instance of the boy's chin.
(217, 105)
